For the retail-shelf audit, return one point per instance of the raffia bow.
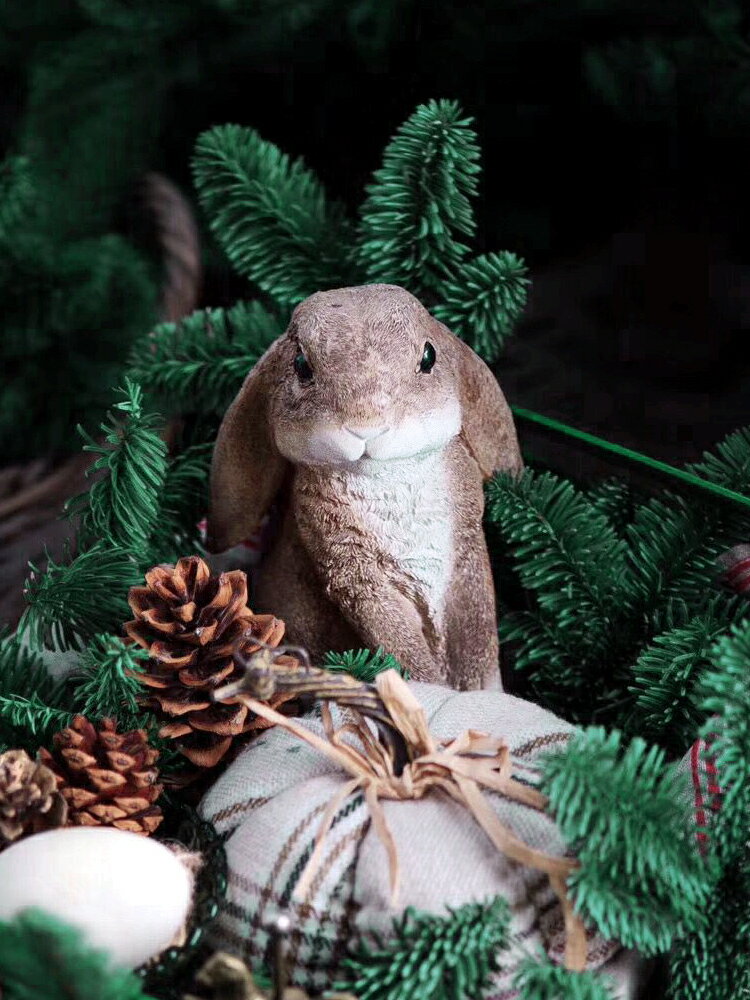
(461, 768)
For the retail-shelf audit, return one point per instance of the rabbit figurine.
(372, 427)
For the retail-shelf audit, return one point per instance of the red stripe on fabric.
(700, 815)
(739, 568)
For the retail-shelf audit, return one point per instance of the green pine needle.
(673, 549)
(538, 979)
(729, 464)
(433, 957)
(28, 722)
(363, 664)
(199, 363)
(725, 692)
(641, 880)
(16, 195)
(69, 604)
(23, 670)
(483, 300)
(565, 552)
(184, 501)
(615, 499)
(121, 508)
(713, 963)
(32, 702)
(42, 957)
(666, 678)
(270, 214)
(419, 201)
(107, 687)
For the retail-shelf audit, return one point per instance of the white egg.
(128, 894)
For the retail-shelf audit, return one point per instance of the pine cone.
(107, 778)
(29, 800)
(192, 623)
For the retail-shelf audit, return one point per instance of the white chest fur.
(404, 504)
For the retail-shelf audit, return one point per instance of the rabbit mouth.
(331, 445)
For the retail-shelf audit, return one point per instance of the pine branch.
(71, 603)
(433, 957)
(419, 201)
(538, 979)
(16, 195)
(28, 722)
(32, 702)
(184, 502)
(565, 552)
(483, 300)
(725, 692)
(730, 464)
(675, 544)
(547, 673)
(672, 551)
(108, 686)
(616, 500)
(713, 963)
(198, 364)
(122, 508)
(41, 957)
(22, 670)
(619, 808)
(363, 664)
(270, 214)
(667, 676)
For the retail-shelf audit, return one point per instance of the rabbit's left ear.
(247, 470)
(487, 426)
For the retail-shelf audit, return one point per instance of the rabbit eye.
(428, 358)
(302, 368)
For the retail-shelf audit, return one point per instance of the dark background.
(614, 140)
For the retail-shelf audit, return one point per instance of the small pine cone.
(29, 800)
(192, 622)
(107, 778)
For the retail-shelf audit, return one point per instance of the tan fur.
(337, 583)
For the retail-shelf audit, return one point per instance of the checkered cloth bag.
(270, 803)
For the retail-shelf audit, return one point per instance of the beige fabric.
(271, 800)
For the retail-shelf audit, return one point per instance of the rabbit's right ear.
(247, 470)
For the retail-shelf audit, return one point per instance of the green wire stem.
(633, 456)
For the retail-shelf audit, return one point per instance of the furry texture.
(377, 467)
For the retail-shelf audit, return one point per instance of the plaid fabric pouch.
(270, 802)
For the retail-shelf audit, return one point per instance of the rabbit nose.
(366, 433)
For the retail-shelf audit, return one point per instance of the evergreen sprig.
(183, 503)
(22, 670)
(483, 301)
(666, 679)
(270, 214)
(28, 722)
(573, 562)
(641, 880)
(616, 500)
(725, 691)
(121, 507)
(433, 957)
(539, 979)
(363, 664)
(108, 684)
(713, 963)
(199, 363)
(70, 603)
(419, 201)
(42, 957)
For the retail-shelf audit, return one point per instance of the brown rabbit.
(374, 427)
